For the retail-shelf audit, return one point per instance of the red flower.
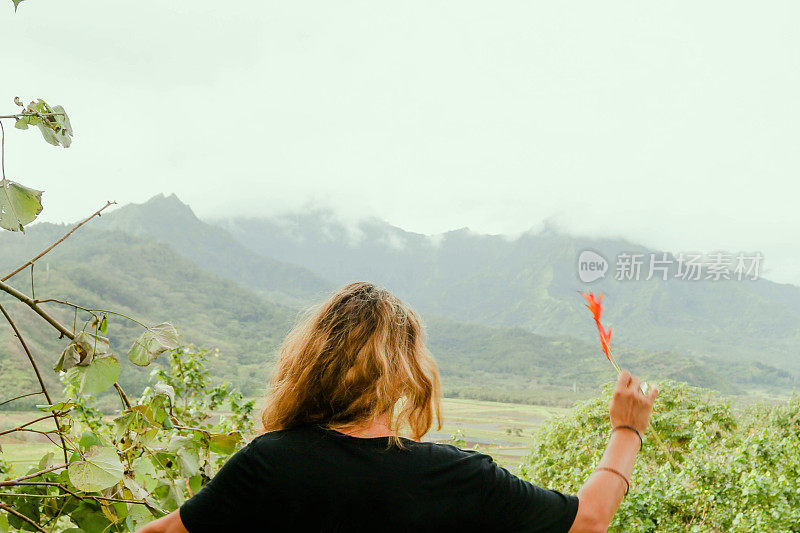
(595, 305)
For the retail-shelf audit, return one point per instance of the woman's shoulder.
(280, 439)
(304, 438)
(449, 452)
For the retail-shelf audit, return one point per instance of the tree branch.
(28, 353)
(155, 510)
(20, 115)
(21, 516)
(59, 241)
(38, 310)
(26, 424)
(94, 312)
(38, 375)
(16, 481)
(21, 396)
(71, 493)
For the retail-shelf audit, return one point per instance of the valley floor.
(502, 430)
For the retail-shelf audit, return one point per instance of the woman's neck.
(377, 427)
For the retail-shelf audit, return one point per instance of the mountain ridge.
(170, 221)
(531, 281)
(121, 264)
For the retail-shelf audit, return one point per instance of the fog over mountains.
(504, 316)
(531, 282)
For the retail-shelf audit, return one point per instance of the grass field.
(502, 430)
(23, 448)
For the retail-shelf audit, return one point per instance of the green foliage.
(19, 205)
(149, 281)
(52, 122)
(96, 377)
(714, 470)
(99, 469)
(143, 462)
(82, 351)
(188, 379)
(154, 341)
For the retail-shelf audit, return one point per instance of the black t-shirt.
(316, 479)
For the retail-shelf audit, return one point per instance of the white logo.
(591, 266)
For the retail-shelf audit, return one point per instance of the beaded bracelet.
(641, 441)
(620, 474)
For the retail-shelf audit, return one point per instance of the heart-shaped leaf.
(19, 205)
(153, 342)
(100, 469)
(95, 378)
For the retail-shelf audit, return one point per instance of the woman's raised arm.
(602, 493)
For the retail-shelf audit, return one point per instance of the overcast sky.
(674, 123)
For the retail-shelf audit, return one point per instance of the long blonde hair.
(352, 359)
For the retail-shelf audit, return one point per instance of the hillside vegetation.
(191, 280)
(530, 281)
(715, 468)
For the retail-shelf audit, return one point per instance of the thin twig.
(38, 310)
(20, 115)
(28, 495)
(21, 396)
(38, 375)
(40, 432)
(16, 481)
(71, 493)
(59, 241)
(92, 311)
(16, 513)
(26, 424)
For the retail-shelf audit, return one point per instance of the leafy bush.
(123, 472)
(708, 468)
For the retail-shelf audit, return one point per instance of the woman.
(331, 457)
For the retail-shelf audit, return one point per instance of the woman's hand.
(630, 406)
(170, 523)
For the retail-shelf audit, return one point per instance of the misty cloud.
(615, 120)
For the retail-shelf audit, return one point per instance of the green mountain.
(169, 221)
(149, 282)
(531, 282)
(119, 264)
(516, 365)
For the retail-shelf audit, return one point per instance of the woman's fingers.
(635, 385)
(631, 406)
(624, 380)
(653, 394)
